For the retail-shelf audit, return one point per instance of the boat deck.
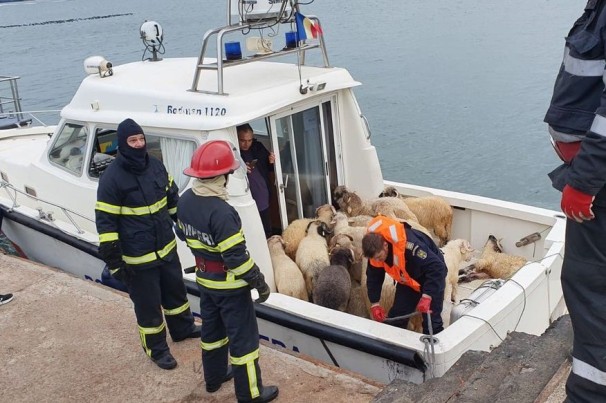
(66, 339)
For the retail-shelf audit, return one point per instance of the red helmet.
(211, 159)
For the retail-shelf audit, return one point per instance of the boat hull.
(367, 356)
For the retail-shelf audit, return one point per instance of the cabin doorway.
(306, 167)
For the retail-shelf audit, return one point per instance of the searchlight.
(152, 36)
(98, 65)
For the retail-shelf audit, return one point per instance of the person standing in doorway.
(259, 163)
(577, 125)
(136, 205)
(225, 273)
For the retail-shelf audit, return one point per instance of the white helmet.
(151, 32)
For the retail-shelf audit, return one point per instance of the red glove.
(576, 204)
(378, 313)
(424, 304)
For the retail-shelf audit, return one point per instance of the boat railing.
(47, 216)
(221, 63)
(11, 113)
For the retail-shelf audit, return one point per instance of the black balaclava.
(133, 159)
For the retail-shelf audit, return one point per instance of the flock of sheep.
(320, 259)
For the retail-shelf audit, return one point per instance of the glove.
(378, 313)
(424, 304)
(123, 273)
(264, 292)
(257, 281)
(576, 204)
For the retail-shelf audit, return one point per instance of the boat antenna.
(152, 36)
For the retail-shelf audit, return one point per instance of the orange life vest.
(393, 232)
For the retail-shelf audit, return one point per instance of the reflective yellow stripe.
(178, 310)
(113, 271)
(243, 268)
(172, 211)
(195, 244)
(249, 361)
(229, 283)
(170, 181)
(231, 241)
(150, 257)
(108, 236)
(214, 346)
(143, 331)
(108, 208)
(152, 330)
(144, 210)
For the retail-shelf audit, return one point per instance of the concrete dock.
(63, 339)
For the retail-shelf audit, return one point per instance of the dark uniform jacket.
(134, 211)
(213, 231)
(578, 105)
(424, 263)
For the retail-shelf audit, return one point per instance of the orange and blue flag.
(306, 28)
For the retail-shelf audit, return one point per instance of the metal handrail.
(220, 64)
(41, 215)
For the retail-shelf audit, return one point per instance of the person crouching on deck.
(415, 263)
(225, 273)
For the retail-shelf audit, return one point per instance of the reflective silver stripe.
(584, 68)
(588, 372)
(599, 125)
(396, 261)
(394, 233)
(376, 225)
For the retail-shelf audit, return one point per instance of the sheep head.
(342, 256)
(276, 240)
(389, 191)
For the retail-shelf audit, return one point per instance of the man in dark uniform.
(577, 124)
(259, 163)
(225, 273)
(136, 206)
(415, 263)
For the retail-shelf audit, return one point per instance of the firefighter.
(225, 273)
(414, 262)
(577, 124)
(136, 206)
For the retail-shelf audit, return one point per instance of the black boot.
(268, 394)
(194, 334)
(165, 361)
(210, 388)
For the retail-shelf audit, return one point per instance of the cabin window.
(175, 153)
(69, 148)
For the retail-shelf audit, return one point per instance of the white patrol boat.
(308, 115)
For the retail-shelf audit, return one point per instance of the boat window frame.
(54, 148)
(316, 102)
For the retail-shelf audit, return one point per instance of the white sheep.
(287, 275)
(455, 252)
(357, 304)
(493, 263)
(332, 287)
(295, 231)
(312, 253)
(359, 220)
(432, 212)
(346, 241)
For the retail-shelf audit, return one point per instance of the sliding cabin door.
(306, 167)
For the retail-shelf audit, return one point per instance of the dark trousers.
(151, 290)
(266, 220)
(229, 322)
(406, 301)
(584, 286)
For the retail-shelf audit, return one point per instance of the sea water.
(455, 91)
